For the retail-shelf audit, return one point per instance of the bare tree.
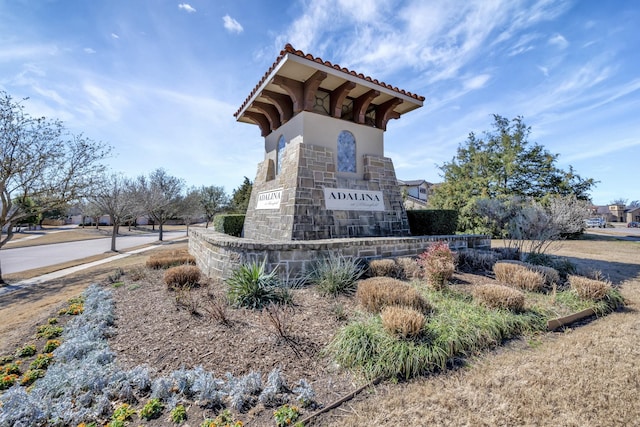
(41, 161)
(213, 199)
(190, 208)
(115, 197)
(159, 196)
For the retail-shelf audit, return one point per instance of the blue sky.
(160, 80)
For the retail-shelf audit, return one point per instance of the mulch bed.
(152, 329)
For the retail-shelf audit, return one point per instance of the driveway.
(621, 232)
(21, 259)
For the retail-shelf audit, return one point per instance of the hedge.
(432, 222)
(229, 224)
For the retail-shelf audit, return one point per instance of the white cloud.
(115, 36)
(186, 7)
(89, 50)
(476, 82)
(544, 70)
(232, 25)
(559, 41)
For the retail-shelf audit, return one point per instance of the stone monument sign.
(324, 173)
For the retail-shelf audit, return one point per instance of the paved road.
(21, 259)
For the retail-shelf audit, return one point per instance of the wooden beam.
(384, 112)
(282, 102)
(361, 104)
(311, 86)
(261, 120)
(294, 89)
(337, 97)
(270, 112)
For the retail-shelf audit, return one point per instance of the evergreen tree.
(502, 164)
(241, 195)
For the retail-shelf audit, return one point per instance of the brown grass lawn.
(588, 374)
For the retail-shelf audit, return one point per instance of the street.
(21, 259)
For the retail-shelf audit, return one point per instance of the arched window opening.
(279, 154)
(346, 152)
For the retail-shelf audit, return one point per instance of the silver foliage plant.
(84, 380)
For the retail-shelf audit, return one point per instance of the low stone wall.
(217, 254)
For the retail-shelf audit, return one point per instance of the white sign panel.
(344, 199)
(269, 199)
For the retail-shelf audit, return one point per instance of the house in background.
(633, 214)
(415, 193)
(615, 213)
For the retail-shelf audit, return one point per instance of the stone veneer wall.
(306, 170)
(217, 254)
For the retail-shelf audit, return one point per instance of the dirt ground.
(535, 382)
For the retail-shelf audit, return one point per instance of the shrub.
(179, 414)
(152, 409)
(402, 322)
(250, 286)
(230, 224)
(517, 274)
(590, 289)
(335, 275)
(378, 292)
(562, 265)
(166, 259)
(42, 361)
(7, 381)
(408, 268)
(477, 260)
(11, 368)
(51, 345)
(182, 275)
(383, 267)
(499, 296)
(432, 222)
(286, 415)
(26, 351)
(48, 331)
(30, 376)
(438, 264)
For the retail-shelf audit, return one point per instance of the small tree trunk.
(114, 234)
(160, 228)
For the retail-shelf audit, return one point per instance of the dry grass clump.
(438, 264)
(550, 274)
(182, 275)
(408, 268)
(383, 267)
(166, 259)
(378, 292)
(403, 322)
(518, 275)
(589, 288)
(499, 296)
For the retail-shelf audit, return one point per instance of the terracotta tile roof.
(290, 49)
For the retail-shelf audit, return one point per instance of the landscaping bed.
(179, 330)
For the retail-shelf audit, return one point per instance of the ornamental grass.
(589, 289)
(168, 259)
(182, 275)
(520, 276)
(383, 268)
(499, 296)
(376, 293)
(403, 322)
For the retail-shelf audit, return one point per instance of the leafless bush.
(477, 260)
(550, 274)
(217, 308)
(383, 267)
(517, 274)
(137, 273)
(589, 288)
(403, 322)
(378, 292)
(499, 296)
(182, 275)
(408, 268)
(186, 298)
